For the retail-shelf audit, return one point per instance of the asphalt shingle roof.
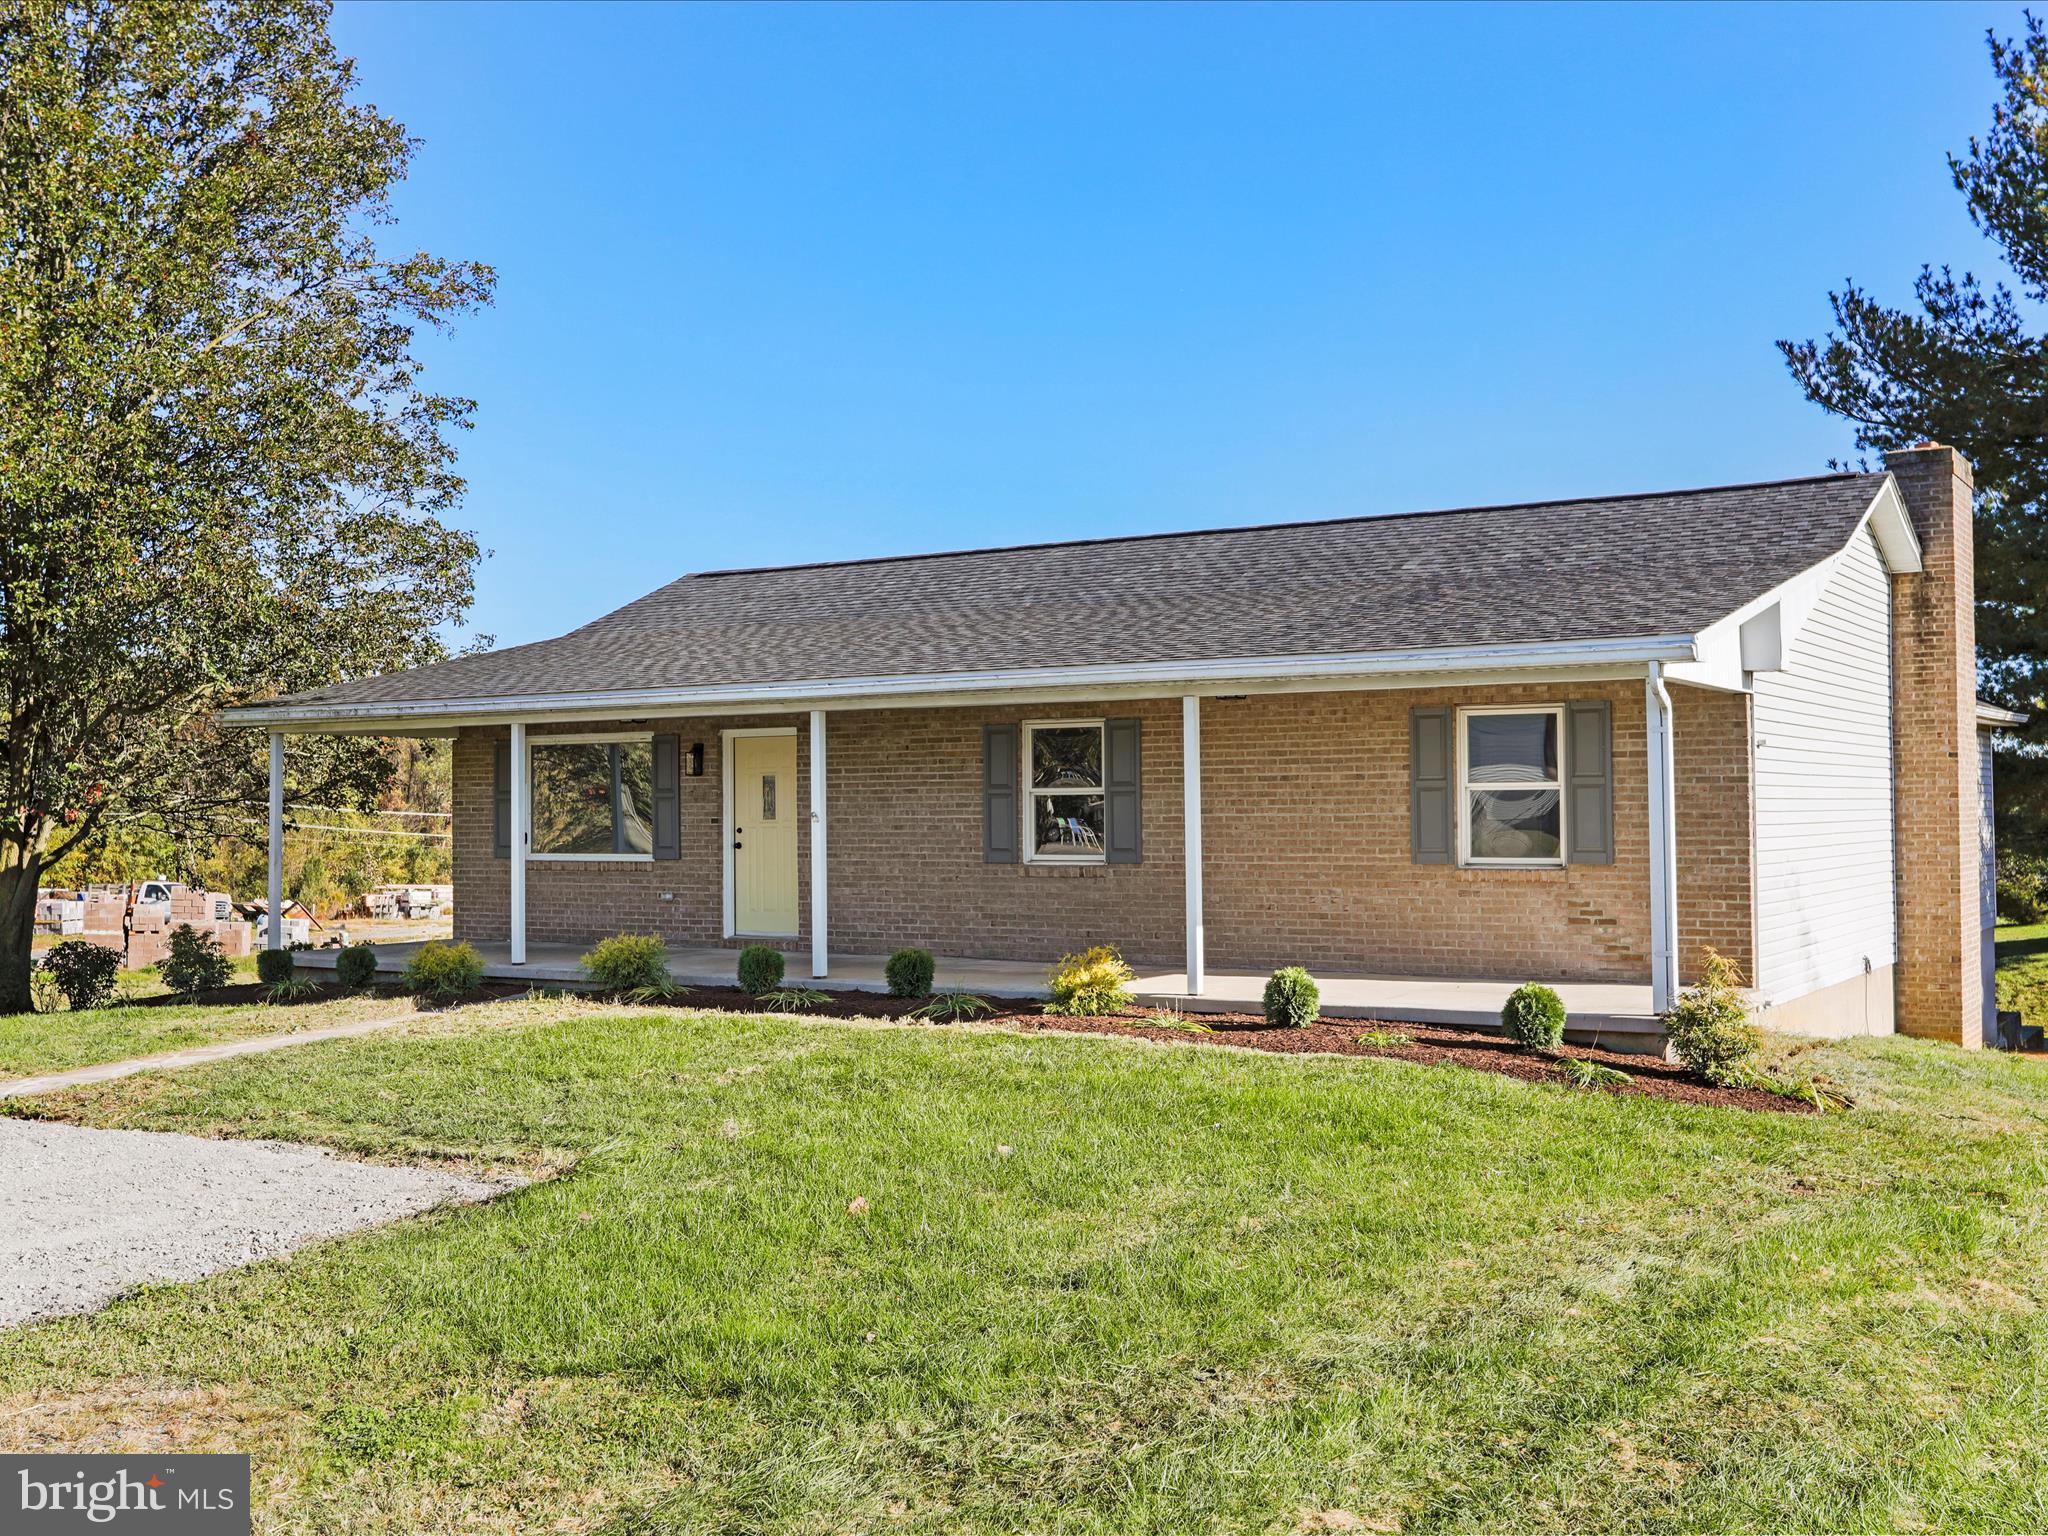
(1611, 567)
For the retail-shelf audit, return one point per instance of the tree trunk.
(17, 932)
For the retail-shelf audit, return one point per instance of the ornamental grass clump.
(195, 963)
(629, 963)
(760, 969)
(1093, 983)
(910, 973)
(1292, 999)
(1709, 1028)
(1534, 1017)
(443, 972)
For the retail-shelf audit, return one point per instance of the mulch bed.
(245, 992)
(1429, 1044)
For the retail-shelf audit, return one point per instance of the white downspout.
(516, 938)
(820, 911)
(1663, 843)
(1191, 832)
(274, 917)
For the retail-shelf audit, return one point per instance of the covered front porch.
(1618, 1015)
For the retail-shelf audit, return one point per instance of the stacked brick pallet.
(148, 940)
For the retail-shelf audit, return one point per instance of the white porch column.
(521, 809)
(1663, 843)
(274, 891)
(1191, 831)
(820, 909)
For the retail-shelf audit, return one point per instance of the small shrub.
(274, 965)
(1709, 1027)
(194, 963)
(444, 971)
(84, 972)
(1292, 999)
(627, 962)
(1534, 1017)
(1591, 1074)
(356, 966)
(760, 969)
(2022, 887)
(1386, 1039)
(795, 999)
(951, 1007)
(910, 973)
(44, 995)
(1092, 983)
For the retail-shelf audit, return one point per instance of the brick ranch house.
(1435, 754)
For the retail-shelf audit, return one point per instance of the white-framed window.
(1511, 786)
(1064, 798)
(591, 797)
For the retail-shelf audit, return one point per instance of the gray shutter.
(1122, 815)
(1589, 783)
(999, 810)
(501, 800)
(668, 797)
(1429, 786)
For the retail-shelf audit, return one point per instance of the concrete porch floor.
(1615, 1014)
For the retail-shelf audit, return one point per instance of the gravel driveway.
(85, 1214)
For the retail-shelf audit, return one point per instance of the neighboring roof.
(1995, 717)
(1660, 565)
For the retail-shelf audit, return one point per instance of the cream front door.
(764, 834)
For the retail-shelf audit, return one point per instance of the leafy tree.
(220, 473)
(1967, 365)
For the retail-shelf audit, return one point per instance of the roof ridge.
(1306, 522)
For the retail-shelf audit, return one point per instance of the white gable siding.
(1824, 903)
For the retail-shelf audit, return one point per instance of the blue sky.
(783, 284)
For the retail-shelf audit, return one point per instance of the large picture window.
(592, 799)
(1510, 792)
(1064, 807)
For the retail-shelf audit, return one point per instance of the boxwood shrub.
(760, 969)
(910, 973)
(1292, 999)
(274, 966)
(1534, 1017)
(356, 966)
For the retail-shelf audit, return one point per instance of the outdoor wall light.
(693, 760)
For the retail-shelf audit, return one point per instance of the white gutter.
(1220, 673)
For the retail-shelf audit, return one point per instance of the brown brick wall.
(1714, 793)
(1306, 834)
(1934, 723)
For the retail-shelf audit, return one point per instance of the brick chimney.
(1934, 754)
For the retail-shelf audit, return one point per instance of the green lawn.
(1096, 1286)
(2023, 969)
(35, 1043)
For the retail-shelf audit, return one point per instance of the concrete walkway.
(193, 1055)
